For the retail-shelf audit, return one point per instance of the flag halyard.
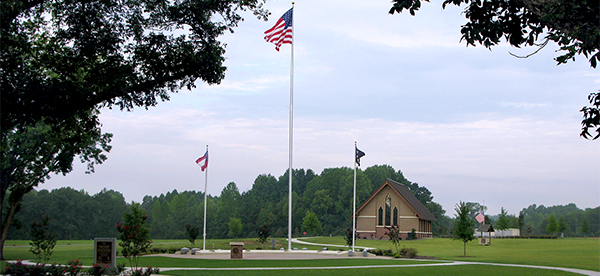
(281, 33)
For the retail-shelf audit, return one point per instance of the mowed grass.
(167, 262)
(570, 252)
(463, 270)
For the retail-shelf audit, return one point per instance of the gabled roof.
(485, 228)
(405, 194)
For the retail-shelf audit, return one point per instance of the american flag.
(203, 161)
(281, 33)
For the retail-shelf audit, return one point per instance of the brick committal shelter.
(393, 204)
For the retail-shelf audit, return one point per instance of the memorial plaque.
(105, 251)
(237, 250)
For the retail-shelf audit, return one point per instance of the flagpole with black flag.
(357, 155)
(283, 33)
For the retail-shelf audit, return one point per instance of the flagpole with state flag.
(283, 33)
(203, 163)
(357, 155)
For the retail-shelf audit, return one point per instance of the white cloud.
(454, 160)
(468, 123)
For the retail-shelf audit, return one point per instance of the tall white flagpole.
(354, 202)
(205, 191)
(291, 136)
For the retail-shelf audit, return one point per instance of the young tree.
(235, 227)
(192, 233)
(394, 233)
(552, 225)
(135, 238)
(42, 240)
(263, 234)
(502, 222)
(562, 225)
(311, 223)
(585, 226)
(463, 224)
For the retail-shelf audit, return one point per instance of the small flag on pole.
(203, 161)
(358, 155)
(281, 33)
(480, 218)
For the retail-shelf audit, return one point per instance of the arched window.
(395, 216)
(388, 210)
(380, 217)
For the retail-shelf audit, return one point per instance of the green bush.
(377, 252)
(408, 252)
(17, 268)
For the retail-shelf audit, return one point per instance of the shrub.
(55, 270)
(191, 233)
(17, 268)
(412, 235)
(147, 272)
(98, 270)
(73, 267)
(408, 252)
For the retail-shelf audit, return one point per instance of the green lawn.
(463, 270)
(190, 263)
(570, 252)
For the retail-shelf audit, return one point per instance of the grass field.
(570, 252)
(463, 270)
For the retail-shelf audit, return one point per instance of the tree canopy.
(572, 25)
(61, 57)
(64, 60)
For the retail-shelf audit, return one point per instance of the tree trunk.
(464, 249)
(6, 225)
(14, 201)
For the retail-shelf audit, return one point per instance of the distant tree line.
(327, 195)
(73, 215)
(234, 214)
(570, 220)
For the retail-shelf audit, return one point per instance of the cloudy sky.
(467, 123)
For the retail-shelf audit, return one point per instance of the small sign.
(105, 251)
